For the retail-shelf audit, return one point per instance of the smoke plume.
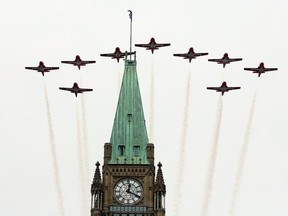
(212, 161)
(80, 150)
(152, 97)
(183, 144)
(54, 156)
(242, 159)
(84, 138)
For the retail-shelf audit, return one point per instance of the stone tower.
(128, 186)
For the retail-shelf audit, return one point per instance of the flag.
(130, 15)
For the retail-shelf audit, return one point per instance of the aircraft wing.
(235, 59)
(67, 89)
(181, 55)
(251, 69)
(215, 60)
(162, 45)
(214, 88)
(143, 45)
(68, 62)
(51, 68)
(88, 62)
(200, 54)
(270, 69)
(232, 88)
(32, 68)
(107, 54)
(84, 89)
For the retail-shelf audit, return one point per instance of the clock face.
(128, 191)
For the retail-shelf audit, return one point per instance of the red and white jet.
(75, 89)
(190, 54)
(223, 88)
(78, 62)
(117, 54)
(225, 60)
(42, 68)
(260, 69)
(152, 45)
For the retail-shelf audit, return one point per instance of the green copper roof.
(129, 135)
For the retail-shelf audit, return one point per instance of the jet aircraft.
(78, 62)
(42, 68)
(260, 69)
(75, 89)
(190, 54)
(117, 54)
(152, 45)
(223, 88)
(225, 60)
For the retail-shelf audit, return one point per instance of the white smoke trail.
(152, 97)
(212, 162)
(54, 156)
(242, 158)
(85, 143)
(83, 151)
(80, 151)
(183, 143)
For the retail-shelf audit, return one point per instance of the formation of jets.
(117, 54)
(78, 62)
(152, 45)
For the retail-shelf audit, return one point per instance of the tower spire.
(97, 191)
(129, 134)
(159, 193)
(160, 184)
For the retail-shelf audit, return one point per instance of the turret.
(96, 193)
(159, 193)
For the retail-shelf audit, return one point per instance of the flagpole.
(130, 16)
(130, 37)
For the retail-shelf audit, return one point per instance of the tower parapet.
(150, 153)
(107, 152)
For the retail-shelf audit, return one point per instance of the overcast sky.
(193, 138)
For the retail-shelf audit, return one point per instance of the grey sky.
(52, 31)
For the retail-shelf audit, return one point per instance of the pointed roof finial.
(97, 175)
(160, 184)
(97, 164)
(97, 184)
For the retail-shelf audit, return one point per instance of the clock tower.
(130, 185)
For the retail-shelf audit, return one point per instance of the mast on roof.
(130, 16)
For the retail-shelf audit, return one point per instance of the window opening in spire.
(121, 150)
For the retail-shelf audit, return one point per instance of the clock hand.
(128, 189)
(134, 194)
